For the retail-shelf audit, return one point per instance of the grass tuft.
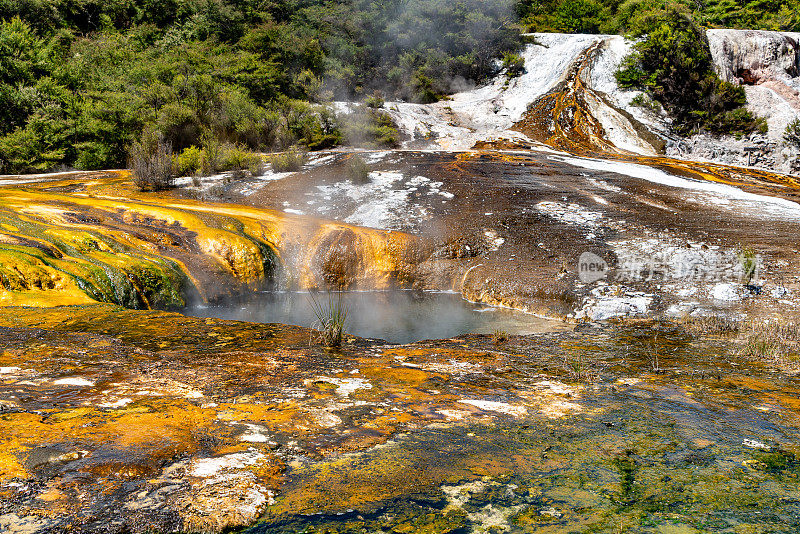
(331, 317)
(771, 341)
(499, 336)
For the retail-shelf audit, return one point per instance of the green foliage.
(645, 102)
(513, 64)
(424, 89)
(289, 161)
(357, 170)
(568, 16)
(577, 16)
(80, 80)
(190, 161)
(791, 135)
(615, 16)
(212, 153)
(374, 101)
(217, 157)
(239, 158)
(672, 63)
(370, 128)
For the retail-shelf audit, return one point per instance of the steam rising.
(413, 49)
(396, 316)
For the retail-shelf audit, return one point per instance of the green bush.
(513, 64)
(672, 63)
(374, 101)
(256, 166)
(237, 157)
(357, 169)
(791, 135)
(190, 161)
(212, 152)
(424, 89)
(370, 128)
(289, 161)
(645, 102)
(577, 16)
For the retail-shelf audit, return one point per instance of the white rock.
(73, 381)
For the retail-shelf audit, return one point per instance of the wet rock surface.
(214, 424)
(508, 227)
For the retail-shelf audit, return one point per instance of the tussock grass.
(775, 341)
(331, 317)
(499, 336)
(713, 325)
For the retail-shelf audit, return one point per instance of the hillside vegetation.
(82, 80)
(625, 16)
(671, 61)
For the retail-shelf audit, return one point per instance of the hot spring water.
(396, 316)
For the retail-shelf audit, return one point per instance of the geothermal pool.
(397, 316)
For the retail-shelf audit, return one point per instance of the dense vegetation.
(624, 16)
(83, 81)
(671, 61)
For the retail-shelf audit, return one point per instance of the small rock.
(550, 511)
(778, 292)
(753, 444)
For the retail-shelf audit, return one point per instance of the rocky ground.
(134, 421)
(509, 227)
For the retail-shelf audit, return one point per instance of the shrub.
(212, 150)
(92, 156)
(423, 87)
(357, 170)
(238, 158)
(289, 161)
(513, 64)
(672, 64)
(578, 16)
(645, 102)
(190, 161)
(375, 101)
(152, 162)
(791, 135)
(371, 128)
(257, 167)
